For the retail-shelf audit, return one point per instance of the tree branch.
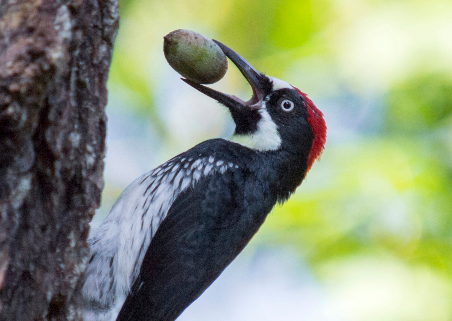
(54, 60)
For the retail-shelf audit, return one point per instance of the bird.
(174, 229)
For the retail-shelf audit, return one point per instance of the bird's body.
(176, 228)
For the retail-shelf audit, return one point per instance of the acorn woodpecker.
(176, 228)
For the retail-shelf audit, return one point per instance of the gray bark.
(54, 61)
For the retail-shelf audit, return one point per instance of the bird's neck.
(284, 171)
(292, 170)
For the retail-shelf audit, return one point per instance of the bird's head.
(277, 117)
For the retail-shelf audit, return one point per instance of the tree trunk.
(54, 60)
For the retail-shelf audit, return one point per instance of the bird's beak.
(254, 78)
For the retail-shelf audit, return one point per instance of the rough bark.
(54, 60)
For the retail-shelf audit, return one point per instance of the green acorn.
(194, 56)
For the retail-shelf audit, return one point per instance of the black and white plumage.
(175, 229)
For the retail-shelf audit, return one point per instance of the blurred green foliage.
(420, 103)
(385, 197)
(379, 195)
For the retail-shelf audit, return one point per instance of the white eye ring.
(287, 105)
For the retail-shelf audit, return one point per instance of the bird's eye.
(287, 105)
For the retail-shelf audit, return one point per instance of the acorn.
(194, 56)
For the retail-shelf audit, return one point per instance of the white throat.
(265, 138)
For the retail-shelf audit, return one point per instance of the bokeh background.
(368, 235)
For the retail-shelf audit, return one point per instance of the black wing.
(205, 229)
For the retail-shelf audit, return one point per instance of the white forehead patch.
(280, 84)
(266, 137)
